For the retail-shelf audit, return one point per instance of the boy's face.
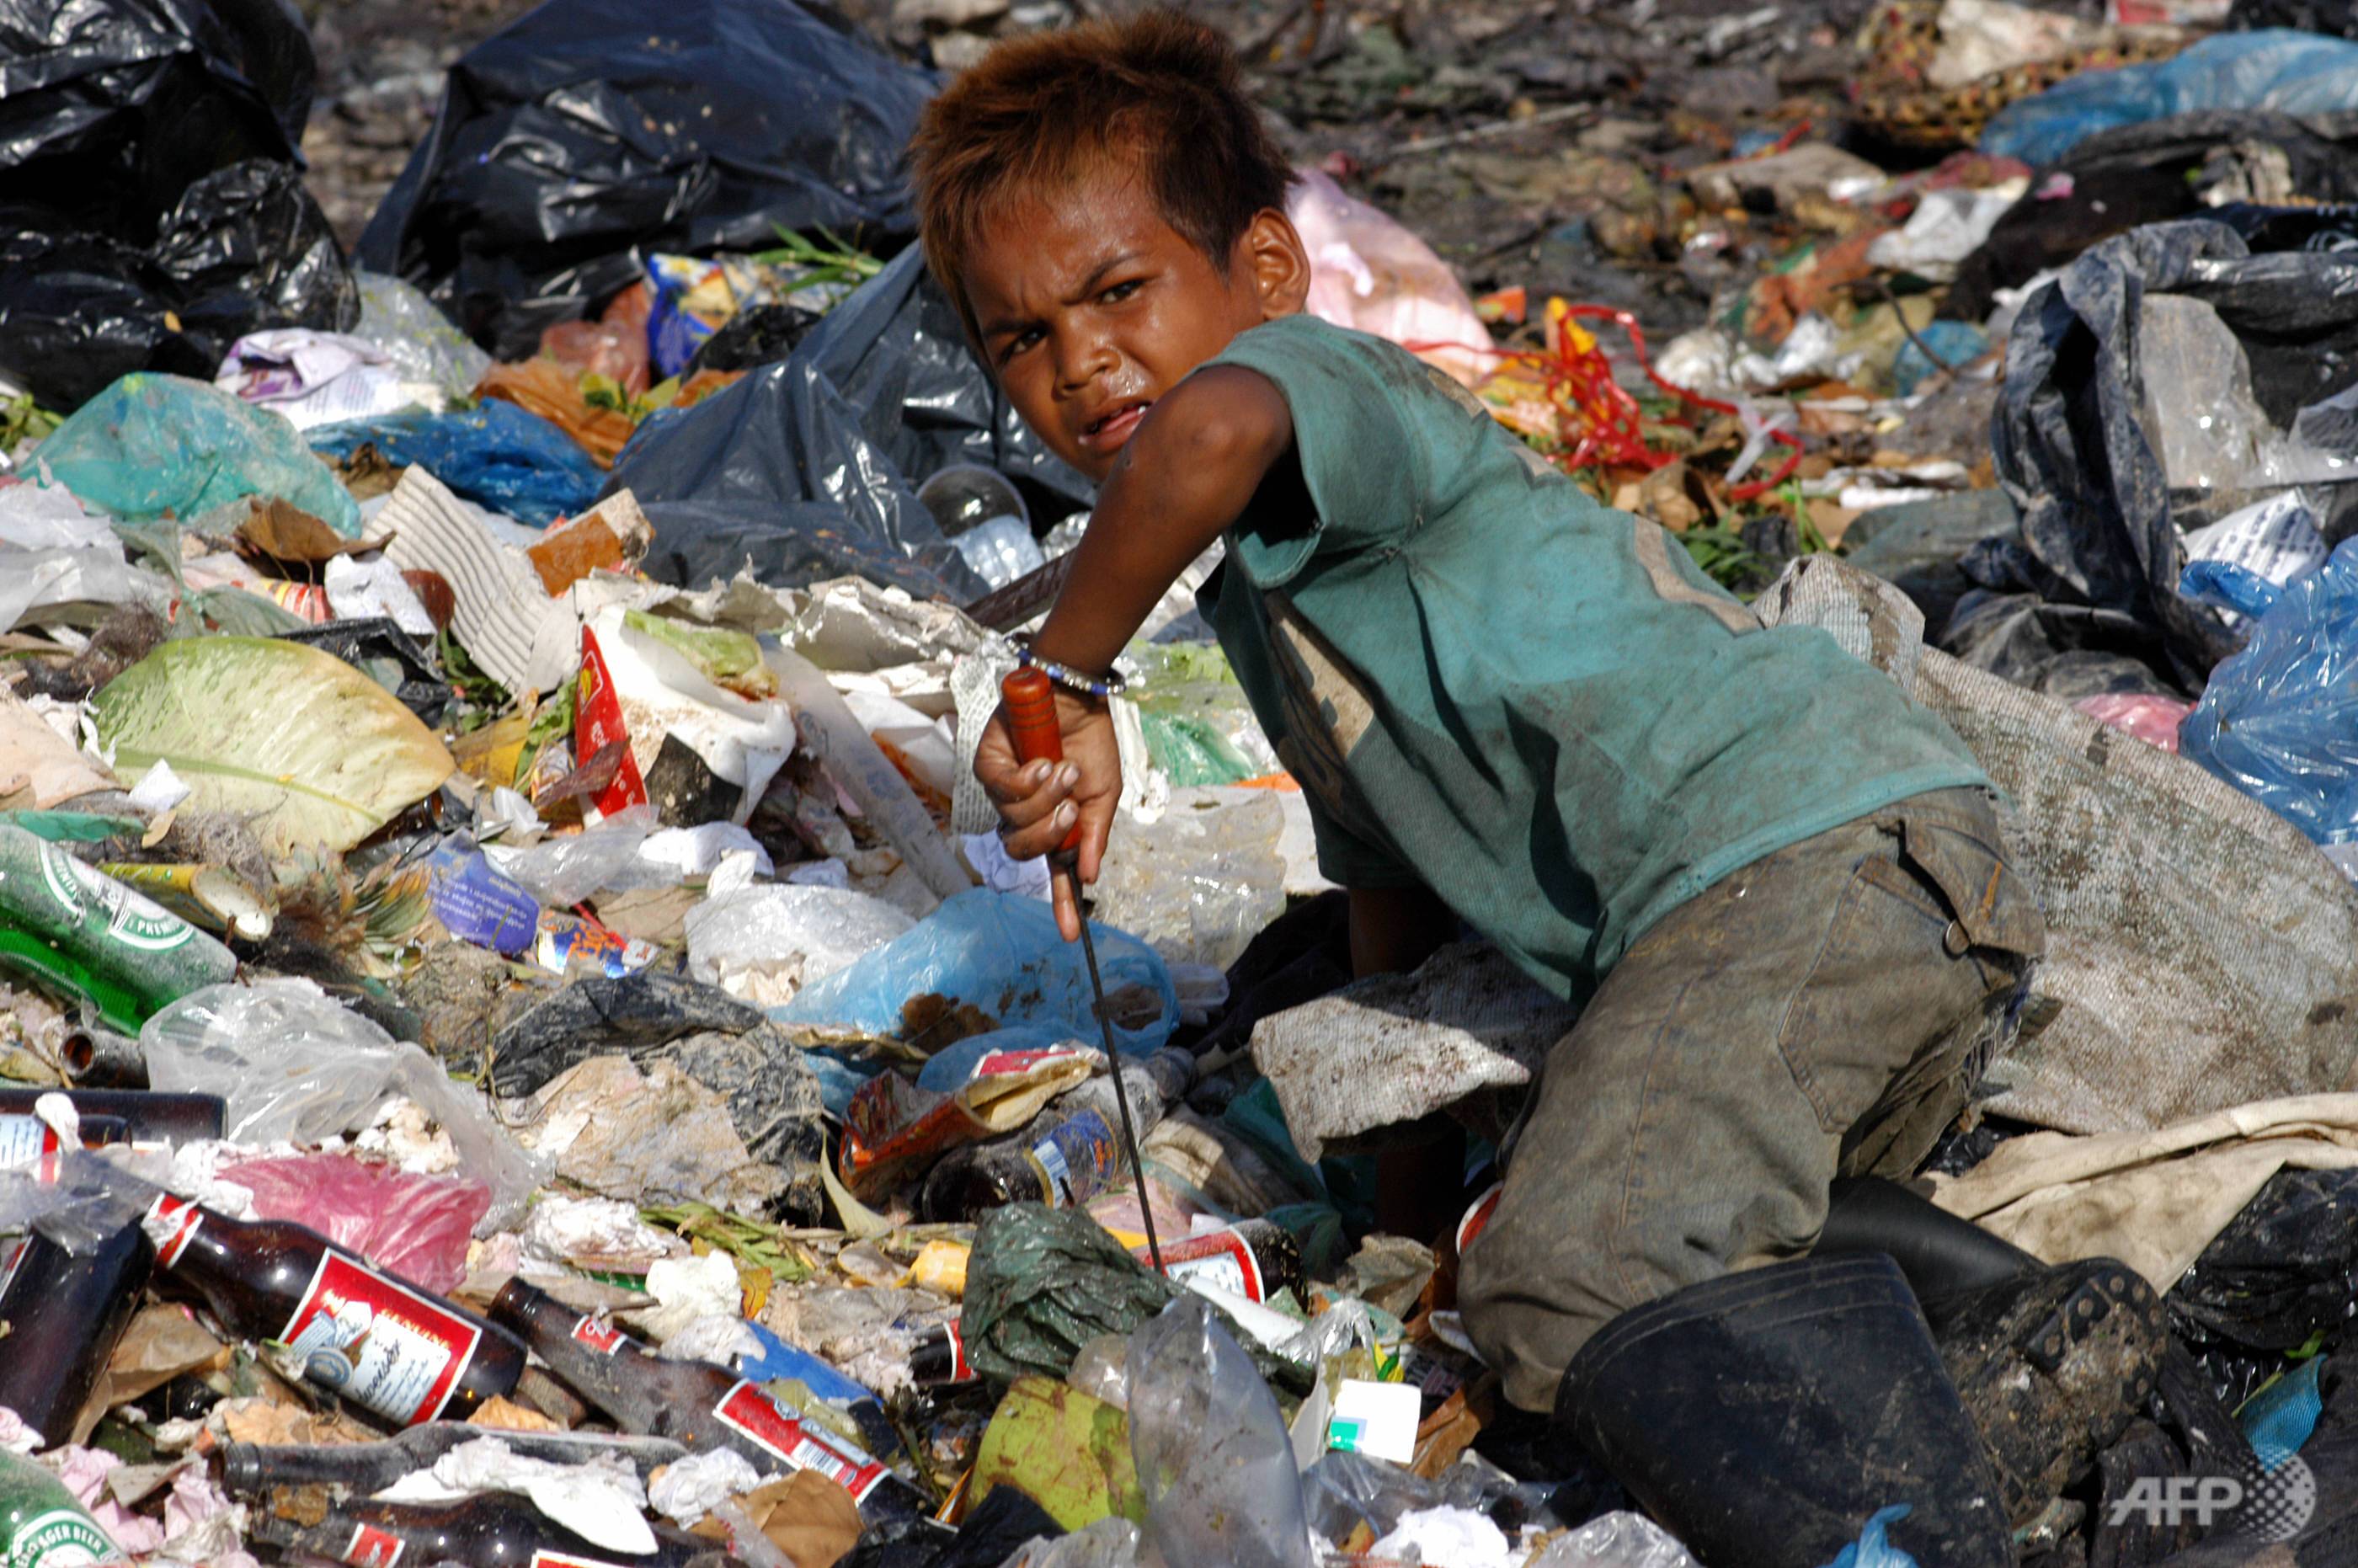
(1091, 307)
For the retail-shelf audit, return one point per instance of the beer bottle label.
(171, 1224)
(378, 1342)
(372, 1548)
(132, 919)
(61, 1538)
(1220, 1258)
(1075, 1161)
(746, 1410)
(31, 1146)
(602, 1337)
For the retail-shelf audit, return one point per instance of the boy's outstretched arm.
(1189, 471)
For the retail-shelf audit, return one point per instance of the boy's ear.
(1278, 264)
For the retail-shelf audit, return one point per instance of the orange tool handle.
(1032, 718)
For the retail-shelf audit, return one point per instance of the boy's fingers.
(1024, 810)
(1005, 780)
(1043, 836)
(1068, 912)
(1097, 826)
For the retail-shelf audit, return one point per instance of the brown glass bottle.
(31, 1147)
(152, 1118)
(249, 1469)
(1069, 1153)
(489, 1531)
(65, 1299)
(939, 1360)
(1254, 1258)
(376, 1340)
(694, 1402)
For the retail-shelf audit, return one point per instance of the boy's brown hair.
(1160, 93)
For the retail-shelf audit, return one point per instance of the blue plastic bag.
(1000, 953)
(1873, 1549)
(2279, 720)
(499, 455)
(150, 445)
(2278, 1419)
(2275, 67)
(1956, 342)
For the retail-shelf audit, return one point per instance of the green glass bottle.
(41, 1526)
(72, 928)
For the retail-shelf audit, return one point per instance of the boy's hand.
(1038, 803)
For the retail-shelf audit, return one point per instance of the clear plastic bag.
(561, 871)
(423, 345)
(763, 943)
(292, 1064)
(2275, 718)
(1616, 1541)
(1211, 1448)
(1001, 953)
(1200, 881)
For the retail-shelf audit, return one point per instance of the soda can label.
(960, 1372)
(372, 1548)
(1220, 1258)
(1477, 1218)
(378, 1342)
(746, 1410)
(602, 1337)
(171, 1224)
(31, 1146)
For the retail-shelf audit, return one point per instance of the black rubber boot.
(2052, 1366)
(1764, 1416)
(1943, 1256)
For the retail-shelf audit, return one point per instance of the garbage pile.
(519, 1042)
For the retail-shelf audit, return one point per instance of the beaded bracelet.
(1110, 684)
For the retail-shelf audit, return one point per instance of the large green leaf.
(308, 748)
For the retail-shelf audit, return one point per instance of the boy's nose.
(1084, 360)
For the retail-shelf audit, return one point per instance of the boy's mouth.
(1110, 430)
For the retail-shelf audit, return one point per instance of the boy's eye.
(1121, 291)
(1020, 342)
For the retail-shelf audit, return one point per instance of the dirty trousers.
(1824, 1011)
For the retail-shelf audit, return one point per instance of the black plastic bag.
(2339, 17)
(249, 244)
(2100, 535)
(244, 248)
(809, 469)
(2149, 173)
(78, 310)
(590, 131)
(2282, 1274)
(111, 111)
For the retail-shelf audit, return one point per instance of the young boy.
(1777, 885)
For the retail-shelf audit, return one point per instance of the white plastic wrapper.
(600, 1498)
(2277, 538)
(686, 1489)
(44, 516)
